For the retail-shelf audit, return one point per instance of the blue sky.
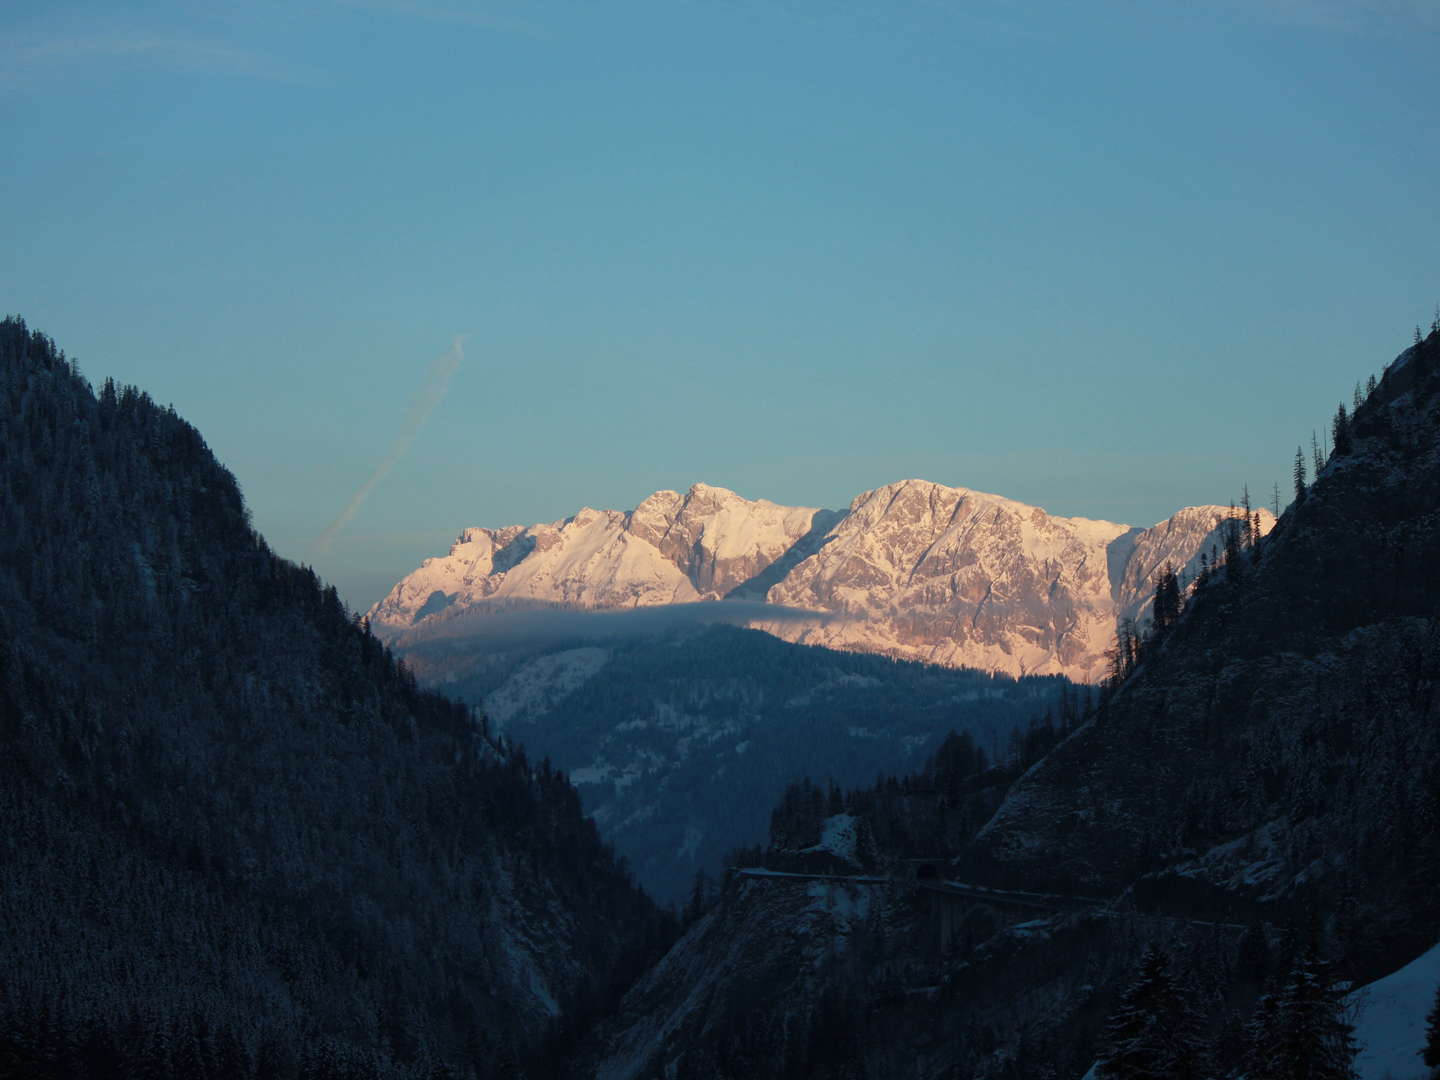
(1110, 258)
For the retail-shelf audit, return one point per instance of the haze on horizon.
(1108, 260)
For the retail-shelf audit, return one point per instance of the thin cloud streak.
(432, 392)
(36, 55)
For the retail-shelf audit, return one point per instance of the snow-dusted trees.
(1156, 1033)
(1301, 1031)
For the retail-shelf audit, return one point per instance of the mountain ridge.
(914, 569)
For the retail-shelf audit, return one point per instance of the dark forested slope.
(1280, 743)
(237, 838)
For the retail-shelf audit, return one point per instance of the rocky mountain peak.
(917, 568)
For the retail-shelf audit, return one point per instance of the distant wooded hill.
(681, 741)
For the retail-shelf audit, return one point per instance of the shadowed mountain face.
(680, 738)
(237, 838)
(914, 569)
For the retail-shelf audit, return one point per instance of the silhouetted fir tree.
(1230, 531)
(1340, 430)
(1261, 1060)
(699, 898)
(1166, 607)
(1313, 1038)
(1156, 1032)
(1431, 1051)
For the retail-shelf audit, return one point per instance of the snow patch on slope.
(1390, 1025)
(537, 685)
(838, 837)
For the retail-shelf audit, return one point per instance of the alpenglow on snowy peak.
(913, 569)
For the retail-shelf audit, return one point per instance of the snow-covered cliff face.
(914, 569)
(672, 548)
(962, 578)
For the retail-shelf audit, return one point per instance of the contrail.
(431, 393)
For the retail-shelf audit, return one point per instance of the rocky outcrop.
(962, 578)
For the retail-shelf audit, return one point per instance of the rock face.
(961, 578)
(672, 548)
(913, 569)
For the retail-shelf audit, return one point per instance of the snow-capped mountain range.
(913, 569)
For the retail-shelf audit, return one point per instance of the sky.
(413, 266)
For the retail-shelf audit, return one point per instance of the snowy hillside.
(1390, 1020)
(913, 569)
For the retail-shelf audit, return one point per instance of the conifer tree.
(1431, 1052)
(699, 898)
(1340, 429)
(1166, 607)
(1314, 1039)
(1155, 1033)
(1232, 535)
(1299, 475)
(1261, 1060)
